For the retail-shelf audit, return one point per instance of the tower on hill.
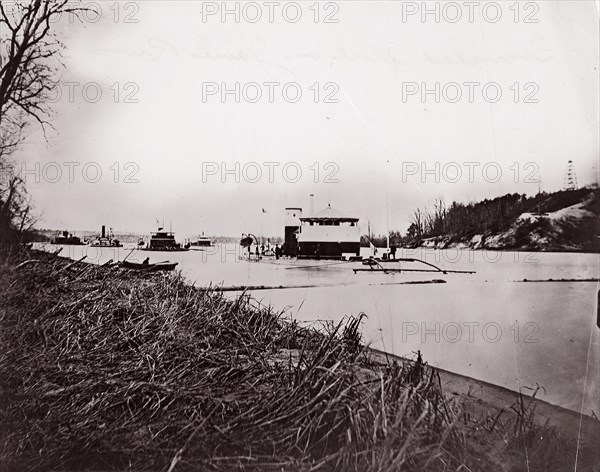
(570, 180)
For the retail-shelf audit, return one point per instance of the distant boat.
(166, 265)
(67, 238)
(106, 240)
(162, 240)
(200, 243)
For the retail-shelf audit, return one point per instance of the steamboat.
(162, 240)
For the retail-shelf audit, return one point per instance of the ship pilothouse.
(163, 240)
(328, 234)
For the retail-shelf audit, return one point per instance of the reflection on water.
(490, 325)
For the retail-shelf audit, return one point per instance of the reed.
(103, 369)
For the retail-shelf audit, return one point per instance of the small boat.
(162, 240)
(67, 238)
(165, 265)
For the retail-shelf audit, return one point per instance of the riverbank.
(563, 221)
(112, 370)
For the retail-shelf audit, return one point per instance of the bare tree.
(439, 206)
(29, 54)
(428, 222)
(29, 62)
(417, 220)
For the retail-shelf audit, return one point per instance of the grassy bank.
(103, 369)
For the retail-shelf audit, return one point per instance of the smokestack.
(103, 231)
(311, 209)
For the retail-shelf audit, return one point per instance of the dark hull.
(148, 267)
(327, 250)
(68, 241)
(205, 243)
(164, 249)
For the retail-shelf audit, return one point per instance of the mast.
(369, 234)
(387, 211)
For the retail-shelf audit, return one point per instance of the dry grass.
(103, 369)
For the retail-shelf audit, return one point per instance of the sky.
(143, 132)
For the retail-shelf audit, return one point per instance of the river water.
(491, 325)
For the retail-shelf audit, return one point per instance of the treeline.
(380, 240)
(462, 221)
